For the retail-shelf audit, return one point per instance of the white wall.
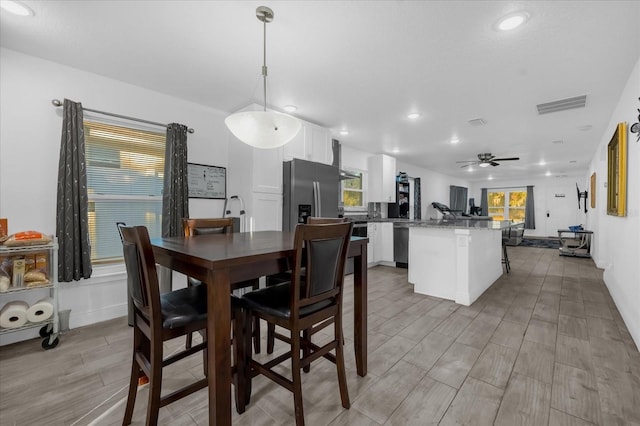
(29, 149)
(617, 246)
(547, 194)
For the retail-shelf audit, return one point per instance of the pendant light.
(263, 129)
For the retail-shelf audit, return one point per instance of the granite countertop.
(462, 224)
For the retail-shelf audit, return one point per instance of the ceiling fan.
(486, 160)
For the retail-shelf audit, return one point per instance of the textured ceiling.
(364, 65)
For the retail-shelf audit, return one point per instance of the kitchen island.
(455, 259)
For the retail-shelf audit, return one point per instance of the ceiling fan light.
(263, 129)
(483, 165)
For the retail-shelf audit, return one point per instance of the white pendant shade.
(263, 129)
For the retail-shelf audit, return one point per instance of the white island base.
(458, 264)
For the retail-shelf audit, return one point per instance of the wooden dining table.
(220, 260)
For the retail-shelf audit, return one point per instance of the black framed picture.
(207, 181)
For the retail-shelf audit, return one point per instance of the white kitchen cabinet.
(297, 148)
(385, 232)
(382, 179)
(320, 144)
(312, 143)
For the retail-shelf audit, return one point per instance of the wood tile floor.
(545, 345)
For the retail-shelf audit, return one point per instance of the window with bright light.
(125, 169)
(352, 191)
(507, 204)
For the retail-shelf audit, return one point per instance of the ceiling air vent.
(562, 105)
(477, 122)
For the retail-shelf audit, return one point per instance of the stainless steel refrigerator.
(309, 189)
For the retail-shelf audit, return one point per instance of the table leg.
(360, 310)
(219, 347)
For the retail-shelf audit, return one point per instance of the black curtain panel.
(72, 224)
(417, 199)
(175, 195)
(529, 210)
(458, 198)
(484, 202)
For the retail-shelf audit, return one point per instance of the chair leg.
(189, 341)
(133, 392)
(271, 339)
(297, 379)
(256, 334)
(342, 375)
(306, 337)
(505, 258)
(155, 384)
(240, 360)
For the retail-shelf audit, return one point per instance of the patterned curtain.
(175, 195)
(484, 202)
(72, 225)
(529, 210)
(417, 199)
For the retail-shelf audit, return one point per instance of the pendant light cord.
(264, 63)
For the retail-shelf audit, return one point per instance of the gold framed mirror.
(617, 172)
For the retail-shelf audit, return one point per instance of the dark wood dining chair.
(205, 226)
(286, 276)
(303, 306)
(158, 318)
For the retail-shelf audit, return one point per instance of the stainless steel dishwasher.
(401, 245)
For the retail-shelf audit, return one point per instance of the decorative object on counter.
(617, 172)
(593, 190)
(417, 199)
(263, 129)
(4, 230)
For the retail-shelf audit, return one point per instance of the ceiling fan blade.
(506, 159)
(466, 165)
(493, 163)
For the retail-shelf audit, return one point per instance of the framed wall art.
(207, 181)
(593, 190)
(617, 172)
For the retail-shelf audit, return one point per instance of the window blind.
(125, 171)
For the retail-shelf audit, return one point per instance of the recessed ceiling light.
(395, 150)
(290, 108)
(548, 174)
(585, 128)
(455, 140)
(490, 178)
(413, 116)
(573, 161)
(558, 142)
(344, 132)
(542, 163)
(512, 21)
(470, 169)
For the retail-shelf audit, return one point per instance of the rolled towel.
(40, 311)
(14, 314)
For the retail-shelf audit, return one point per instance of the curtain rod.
(508, 187)
(57, 103)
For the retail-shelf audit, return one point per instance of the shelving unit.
(48, 328)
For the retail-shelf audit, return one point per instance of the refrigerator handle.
(316, 199)
(319, 212)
